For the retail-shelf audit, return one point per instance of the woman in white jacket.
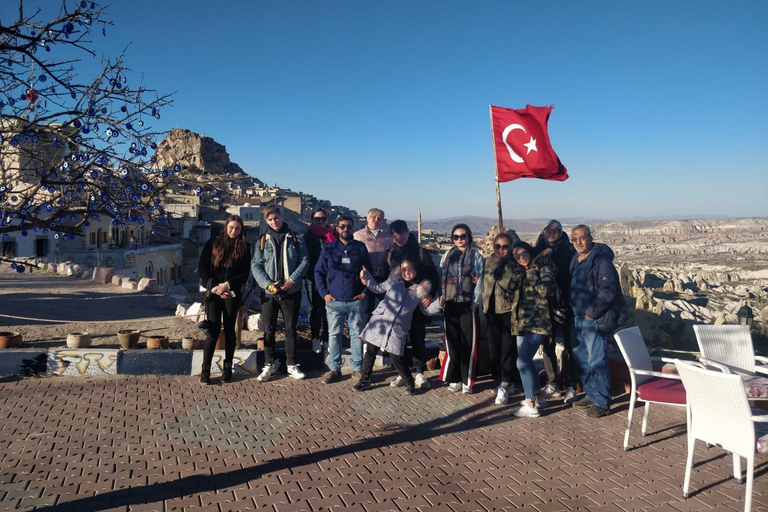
(391, 320)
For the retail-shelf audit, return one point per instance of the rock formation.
(192, 150)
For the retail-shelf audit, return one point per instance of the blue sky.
(660, 107)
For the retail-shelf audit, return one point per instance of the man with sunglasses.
(598, 310)
(405, 246)
(337, 276)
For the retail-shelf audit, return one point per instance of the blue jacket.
(338, 270)
(603, 290)
(294, 258)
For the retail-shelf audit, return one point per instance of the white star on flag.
(531, 146)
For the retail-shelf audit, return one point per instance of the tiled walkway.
(168, 444)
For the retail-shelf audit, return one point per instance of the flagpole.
(496, 165)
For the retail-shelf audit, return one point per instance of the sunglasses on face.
(459, 237)
(522, 254)
(500, 247)
(345, 226)
(320, 219)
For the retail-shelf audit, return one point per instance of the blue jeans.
(527, 345)
(354, 312)
(590, 352)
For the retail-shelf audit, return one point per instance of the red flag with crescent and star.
(521, 144)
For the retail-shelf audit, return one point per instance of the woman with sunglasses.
(318, 234)
(529, 282)
(462, 267)
(497, 308)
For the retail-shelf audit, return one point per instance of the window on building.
(9, 249)
(93, 238)
(41, 247)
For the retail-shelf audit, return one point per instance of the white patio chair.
(719, 414)
(648, 386)
(730, 345)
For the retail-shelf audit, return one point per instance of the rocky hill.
(192, 150)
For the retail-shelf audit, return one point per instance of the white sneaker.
(467, 390)
(295, 372)
(421, 381)
(550, 390)
(494, 391)
(397, 383)
(454, 387)
(570, 396)
(526, 411)
(267, 373)
(502, 396)
(317, 345)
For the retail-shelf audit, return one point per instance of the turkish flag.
(522, 147)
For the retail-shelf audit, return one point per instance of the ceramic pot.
(10, 339)
(157, 342)
(128, 338)
(78, 340)
(189, 343)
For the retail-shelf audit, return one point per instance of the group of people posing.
(385, 286)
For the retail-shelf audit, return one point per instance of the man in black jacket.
(405, 246)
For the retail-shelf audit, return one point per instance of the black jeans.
(215, 309)
(502, 347)
(370, 358)
(461, 325)
(289, 305)
(417, 335)
(567, 368)
(318, 322)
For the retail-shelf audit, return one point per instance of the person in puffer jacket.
(598, 309)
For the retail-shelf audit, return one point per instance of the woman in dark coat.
(224, 267)
(318, 234)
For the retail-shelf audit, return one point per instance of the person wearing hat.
(405, 247)
(553, 238)
(529, 282)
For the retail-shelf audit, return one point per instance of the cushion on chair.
(761, 433)
(662, 390)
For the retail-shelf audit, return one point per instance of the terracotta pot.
(10, 339)
(128, 338)
(189, 343)
(78, 340)
(157, 342)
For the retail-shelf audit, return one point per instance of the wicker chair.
(648, 386)
(719, 414)
(730, 345)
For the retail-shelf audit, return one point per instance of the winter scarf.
(458, 264)
(326, 232)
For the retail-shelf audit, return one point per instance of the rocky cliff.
(190, 150)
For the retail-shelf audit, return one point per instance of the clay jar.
(78, 340)
(157, 342)
(10, 339)
(189, 343)
(128, 338)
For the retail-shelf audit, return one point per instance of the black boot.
(205, 374)
(226, 372)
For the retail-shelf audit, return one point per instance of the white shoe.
(526, 411)
(454, 387)
(317, 345)
(397, 383)
(421, 381)
(570, 396)
(295, 372)
(502, 396)
(494, 391)
(267, 373)
(550, 390)
(467, 390)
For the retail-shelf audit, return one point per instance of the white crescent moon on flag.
(514, 156)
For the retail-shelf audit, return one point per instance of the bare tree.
(72, 147)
